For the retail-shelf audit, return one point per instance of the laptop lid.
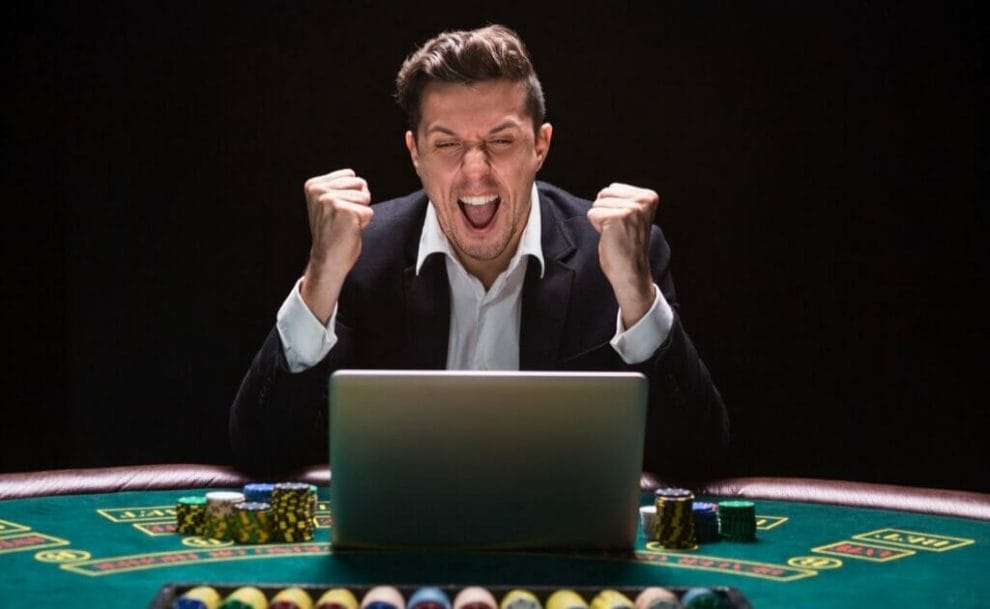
(540, 460)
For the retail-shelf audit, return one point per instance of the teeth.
(482, 200)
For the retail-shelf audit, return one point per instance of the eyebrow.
(507, 124)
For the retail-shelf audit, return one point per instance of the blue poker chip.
(428, 598)
(258, 492)
(703, 598)
(705, 522)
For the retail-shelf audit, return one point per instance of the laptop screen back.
(486, 459)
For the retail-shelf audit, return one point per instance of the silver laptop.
(488, 460)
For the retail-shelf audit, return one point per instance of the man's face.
(477, 156)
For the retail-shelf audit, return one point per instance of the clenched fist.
(339, 207)
(623, 216)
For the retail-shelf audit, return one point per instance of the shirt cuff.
(640, 342)
(304, 339)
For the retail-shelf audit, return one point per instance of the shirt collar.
(433, 241)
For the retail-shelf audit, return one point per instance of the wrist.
(635, 299)
(320, 288)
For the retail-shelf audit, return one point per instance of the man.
(483, 269)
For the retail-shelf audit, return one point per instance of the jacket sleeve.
(278, 421)
(687, 434)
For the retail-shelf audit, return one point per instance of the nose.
(475, 162)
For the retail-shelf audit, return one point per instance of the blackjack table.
(107, 537)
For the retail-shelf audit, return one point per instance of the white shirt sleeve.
(306, 341)
(640, 342)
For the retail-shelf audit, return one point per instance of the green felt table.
(119, 549)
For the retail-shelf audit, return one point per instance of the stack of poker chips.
(675, 518)
(219, 521)
(705, 521)
(190, 515)
(252, 522)
(258, 492)
(294, 511)
(648, 521)
(737, 520)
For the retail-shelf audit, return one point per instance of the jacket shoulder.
(391, 238)
(564, 203)
(402, 213)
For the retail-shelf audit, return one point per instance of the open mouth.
(480, 210)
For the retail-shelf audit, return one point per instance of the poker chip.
(337, 598)
(705, 521)
(566, 599)
(219, 521)
(648, 521)
(737, 520)
(520, 599)
(293, 511)
(429, 597)
(383, 597)
(246, 597)
(611, 599)
(674, 518)
(703, 598)
(253, 523)
(291, 598)
(475, 597)
(656, 597)
(190, 515)
(200, 597)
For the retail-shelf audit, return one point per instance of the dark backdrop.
(820, 169)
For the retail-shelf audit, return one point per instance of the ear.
(413, 150)
(543, 137)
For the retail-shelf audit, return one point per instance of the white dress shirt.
(484, 325)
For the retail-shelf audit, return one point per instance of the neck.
(487, 271)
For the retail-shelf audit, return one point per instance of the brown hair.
(467, 57)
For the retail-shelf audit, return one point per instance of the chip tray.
(171, 591)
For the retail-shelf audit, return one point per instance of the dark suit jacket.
(390, 317)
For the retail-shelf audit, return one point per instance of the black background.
(821, 170)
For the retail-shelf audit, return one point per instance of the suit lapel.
(545, 300)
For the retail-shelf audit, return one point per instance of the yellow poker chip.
(566, 599)
(337, 598)
(247, 597)
(201, 597)
(520, 599)
(292, 598)
(611, 599)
